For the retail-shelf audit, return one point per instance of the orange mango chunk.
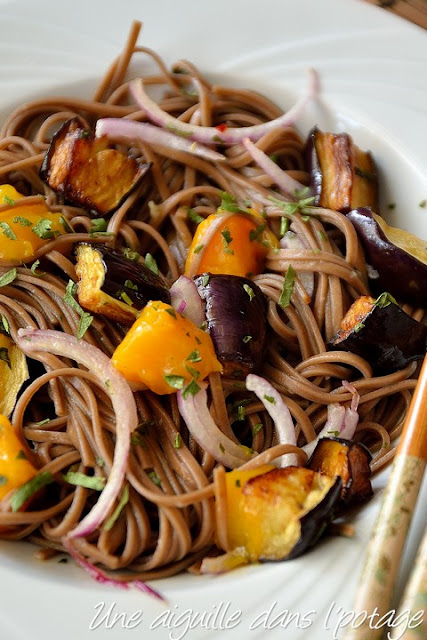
(165, 351)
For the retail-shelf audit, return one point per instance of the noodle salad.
(207, 343)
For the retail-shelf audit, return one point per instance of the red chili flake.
(221, 127)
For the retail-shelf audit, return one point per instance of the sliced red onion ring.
(292, 242)
(287, 185)
(99, 575)
(341, 421)
(186, 300)
(32, 341)
(196, 415)
(145, 132)
(211, 135)
(278, 411)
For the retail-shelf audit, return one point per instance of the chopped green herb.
(247, 339)
(108, 384)
(117, 511)
(97, 483)
(257, 235)
(191, 389)
(4, 325)
(221, 448)
(43, 229)
(194, 356)
(100, 462)
(193, 216)
(131, 255)
(178, 441)
(85, 321)
(370, 177)
(270, 399)
(34, 267)
(322, 236)
(423, 204)
(3, 480)
(257, 427)
(249, 291)
(228, 203)
(284, 226)
(130, 285)
(358, 327)
(155, 478)
(176, 382)
(20, 455)
(7, 231)
(99, 225)
(237, 483)
(85, 318)
(151, 264)
(205, 279)
(24, 221)
(392, 205)
(9, 201)
(8, 277)
(124, 296)
(193, 372)
(198, 248)
(171, 312)
(302, 199)
(42, 422)
(25, 491)
(240, 412)
(4, 356)
(287, 288)
(384, 300)
(227, 240)
(305, 218)
(334, 433)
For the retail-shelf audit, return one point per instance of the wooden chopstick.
(414, 600)
(376, 586)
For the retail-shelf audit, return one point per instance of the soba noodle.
(168, 522)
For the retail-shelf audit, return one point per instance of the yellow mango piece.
(15, 469)
(165, 351)
(25, 228)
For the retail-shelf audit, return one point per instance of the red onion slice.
(341, 423)
(196, 415)
(32, 341)
(212, 135)
(101, 577)
(287, 185)
(145, 132)
(186, 300)
(278, 411)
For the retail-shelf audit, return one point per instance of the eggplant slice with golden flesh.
(342, 176)
(382, 333)
(114, 286)
(87, 172)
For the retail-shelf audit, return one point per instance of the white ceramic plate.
(372, 71)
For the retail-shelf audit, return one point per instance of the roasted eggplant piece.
(87, 172)
(382, 333)
(342, 176)
(350, 461)
(236, 320)
(281, 513)
(114, 286)
(13, 374)
(398, 257)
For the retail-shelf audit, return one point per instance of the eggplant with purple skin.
(399, 257)
(236, 320)
(87, 172)
(350, 461)
(279, 514)
(114, 286)
(382, 333)
(342, 176)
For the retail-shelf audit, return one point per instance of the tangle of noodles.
(167, 525)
